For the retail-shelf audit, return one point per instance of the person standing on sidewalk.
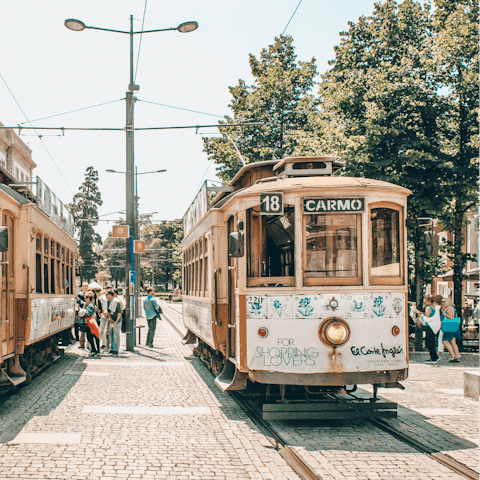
(92, 326)
(114, 317)
(152, 312)
(104, 324)
(431, 321)
(80, 319)
(450, 338)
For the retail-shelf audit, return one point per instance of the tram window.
(38, 273)
(271, 242)
(46, 283)
(332, 246)
(38, 242)
(385, 225)
(45, 245)
(52, 275)
(52, 248)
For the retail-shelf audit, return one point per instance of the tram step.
(13, 379)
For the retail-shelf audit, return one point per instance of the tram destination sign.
(333, 205)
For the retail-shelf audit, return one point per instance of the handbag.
(450, 326)
(434, 322)
(93, 326)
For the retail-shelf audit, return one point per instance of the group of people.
(99, 317)
(437, 311)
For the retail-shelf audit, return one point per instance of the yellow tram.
(297, 277)
(37, 268)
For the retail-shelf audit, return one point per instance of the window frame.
(387, 280)
(318, 281)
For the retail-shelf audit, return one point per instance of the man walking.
(152, 312)
(80, 320)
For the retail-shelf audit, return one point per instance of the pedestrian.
(114, 317)
(104, 337)
(169, 296)
(80, 320)
(431, 322)
(91, 322)
(152, 312)
(450, 338)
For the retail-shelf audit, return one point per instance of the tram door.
(7, 319)
(231, 293)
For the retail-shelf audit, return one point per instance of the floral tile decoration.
(257, 306)
(306, 306)
(279, 306)
(379, 307)
(357, 306)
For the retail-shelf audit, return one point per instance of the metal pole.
(136, 255)
(130, 193)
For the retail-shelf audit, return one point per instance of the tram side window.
(332, 245)
(271, 244)
(385, 225)
(38, 263)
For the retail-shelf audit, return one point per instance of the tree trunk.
(458, 260)
(419, 284)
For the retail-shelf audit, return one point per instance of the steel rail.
(445, 460)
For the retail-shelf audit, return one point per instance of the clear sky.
(51, 70)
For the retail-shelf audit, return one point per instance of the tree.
(456, 61)
(114, 256)
(280, 98)
(381, 101)
(85, 215)
(163, 265)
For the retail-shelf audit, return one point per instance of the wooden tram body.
(319, 297)
(37, 301)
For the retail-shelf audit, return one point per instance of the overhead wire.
(140, 42)
(39, 136)
(292, 16)
(180, 108)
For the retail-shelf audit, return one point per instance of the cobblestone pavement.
(152, 414)
(432, 410)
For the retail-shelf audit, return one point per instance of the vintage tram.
(37, 269)
(296, 276)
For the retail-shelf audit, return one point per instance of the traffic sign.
(138, 246)
(120, 231)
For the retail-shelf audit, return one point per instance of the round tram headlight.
(263, 332)
(334, 332)
(395, 331)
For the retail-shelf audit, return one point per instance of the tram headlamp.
(334, 332)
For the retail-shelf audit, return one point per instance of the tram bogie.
(295, 276)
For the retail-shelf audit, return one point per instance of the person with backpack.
(152, 312)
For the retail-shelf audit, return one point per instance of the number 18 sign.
(271, 203)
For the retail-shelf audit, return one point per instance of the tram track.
(301, 466)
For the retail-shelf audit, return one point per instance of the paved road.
(156, 414)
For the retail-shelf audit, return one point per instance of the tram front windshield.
(331, 245)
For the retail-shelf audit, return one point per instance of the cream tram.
(37, 269)
(296, 277)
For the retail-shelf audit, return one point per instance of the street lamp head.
(109, 170)
(160, 171)
(187, 27)
(75, 25)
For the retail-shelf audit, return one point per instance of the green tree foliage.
(281, 98)
(401, 103)
(113, 254)
(456, 61)
(164, 265)
(85, 214)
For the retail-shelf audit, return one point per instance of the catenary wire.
(140, 42)
(74, 111)
(292, 16)
(39, 136)
(180, 108)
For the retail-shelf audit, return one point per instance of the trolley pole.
(130, 201)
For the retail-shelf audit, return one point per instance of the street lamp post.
(77, 25)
